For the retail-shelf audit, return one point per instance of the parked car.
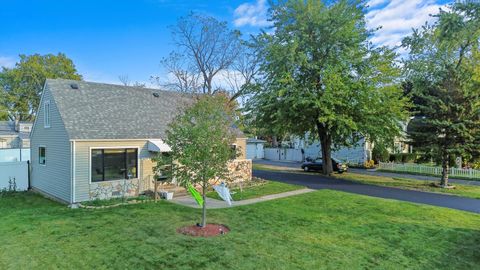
(316, 165)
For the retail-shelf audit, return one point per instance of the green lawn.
(405, 183)
(460, 190)
(259, 190)
(322, 229)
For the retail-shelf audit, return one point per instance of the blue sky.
(107, 38)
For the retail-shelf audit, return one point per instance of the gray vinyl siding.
(82, 162)
(54, 177)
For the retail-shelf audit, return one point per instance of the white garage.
(255, 148)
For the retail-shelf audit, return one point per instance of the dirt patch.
(440, 186)
(208, 231)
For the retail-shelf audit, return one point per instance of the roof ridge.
(117, 85)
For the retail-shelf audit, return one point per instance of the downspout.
(72, 168)
(73, 172)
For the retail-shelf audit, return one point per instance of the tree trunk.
(204, 207)
(445, 169)
(326, 144)
(274, 141)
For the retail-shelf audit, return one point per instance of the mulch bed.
(208, 231)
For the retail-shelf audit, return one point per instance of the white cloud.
(7, 62)
(252, 14)
(398, 18)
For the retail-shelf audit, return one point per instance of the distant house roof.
(7, 128)
(105, 111)
(252, 140)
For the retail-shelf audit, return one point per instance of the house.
(15, 134)
(298, 149)
(95, 141)
(255, 148)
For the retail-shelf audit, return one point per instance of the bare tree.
(243, 72)
(125, 80)
(209, 58)
(185, 77)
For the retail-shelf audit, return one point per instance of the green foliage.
(200, 138)
(321, 75)
(403, 157)
(380, 153)
(21, 86)
(162, 169)
(443, 68)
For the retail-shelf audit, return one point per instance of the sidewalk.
(216, 204)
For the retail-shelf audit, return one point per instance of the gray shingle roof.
(7, 127)
(106, 111)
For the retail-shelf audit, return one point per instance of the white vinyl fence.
(15, 154)
(415, 168)
(287, 154)
(14, 174)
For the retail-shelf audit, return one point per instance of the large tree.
(209, 57)
(321, 75)
(200, 138)
(443, 68)
(21, 86)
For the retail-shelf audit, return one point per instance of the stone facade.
(240, 170)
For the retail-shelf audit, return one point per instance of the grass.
(258, 190)
(405, 183)
(468, 191)
(318, 230)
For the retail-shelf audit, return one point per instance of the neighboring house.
(15, 134)
(255, 148)
(89, 138)
(298, 149)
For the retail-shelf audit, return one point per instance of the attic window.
(74, 86)
(155, 94)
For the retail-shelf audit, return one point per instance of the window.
(46, 114)
(234, 150)
(42, 153)
(114, 164)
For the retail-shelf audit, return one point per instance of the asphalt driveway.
(316, 181)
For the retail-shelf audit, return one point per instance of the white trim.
(112, 147)
(73, 171)
(39, 106)
(47, 118)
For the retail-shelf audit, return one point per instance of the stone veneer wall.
(119, 188)
(240, 170)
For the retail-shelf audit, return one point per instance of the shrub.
(369, 164)
(380, 153)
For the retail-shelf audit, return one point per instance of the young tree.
(200, 139)
(22, 85)
(321, 75)
(443, 68)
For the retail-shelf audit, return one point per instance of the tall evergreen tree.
(321, 75)
(443, 67)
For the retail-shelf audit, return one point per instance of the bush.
(408, 158)
(369, 164)
(380, 153)
(403, 157)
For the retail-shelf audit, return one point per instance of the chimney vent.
(74, 86)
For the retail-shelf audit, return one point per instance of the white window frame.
(46, 114)
(112, 147)
(42, 146)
